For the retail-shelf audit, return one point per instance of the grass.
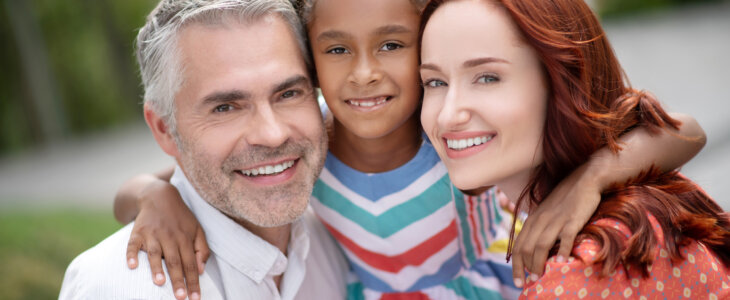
(37, 246)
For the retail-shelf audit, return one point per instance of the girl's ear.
(160, 131)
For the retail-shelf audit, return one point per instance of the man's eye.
(390, 46)
(337, 50)
(223, 108)
(290, 94)
(487, 78)
(433, 83)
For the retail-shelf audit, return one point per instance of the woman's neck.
(514, 185)
(375, 155)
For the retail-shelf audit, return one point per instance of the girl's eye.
(337, 50)
(487, 78)
(433, 83)
(223, 108)
(390, 46)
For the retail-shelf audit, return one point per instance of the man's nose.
(269, 129)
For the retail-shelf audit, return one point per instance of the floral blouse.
(700, 275)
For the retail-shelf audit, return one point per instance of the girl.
(384, 194)
(487, 63)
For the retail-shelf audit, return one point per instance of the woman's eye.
(337, 50)
(434, 83)
(390, 47)
(487, 78)
(223, 108)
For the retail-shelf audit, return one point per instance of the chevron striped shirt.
(408, 233)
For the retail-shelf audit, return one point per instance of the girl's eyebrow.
(333, 35)
(391, 29)
(382, 30)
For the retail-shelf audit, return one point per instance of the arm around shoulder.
(101, 273)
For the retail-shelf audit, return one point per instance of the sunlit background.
(71, 128)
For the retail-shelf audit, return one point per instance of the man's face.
(250, 135)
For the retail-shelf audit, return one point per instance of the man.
(228, 94)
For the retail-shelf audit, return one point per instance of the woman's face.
(485, 95)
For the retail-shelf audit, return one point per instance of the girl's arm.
(569, 206)
(131, 194)
(164, 226)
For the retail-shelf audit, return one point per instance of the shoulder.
(102, 273)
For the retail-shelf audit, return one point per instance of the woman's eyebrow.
(483, 60)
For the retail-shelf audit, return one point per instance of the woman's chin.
(466, 182)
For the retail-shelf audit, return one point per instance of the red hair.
(591, 104)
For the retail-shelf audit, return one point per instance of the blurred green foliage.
(617, 8)
(85, 49)
(37, 247)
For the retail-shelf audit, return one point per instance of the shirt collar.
(234, 244)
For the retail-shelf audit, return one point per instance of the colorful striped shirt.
(409, 233)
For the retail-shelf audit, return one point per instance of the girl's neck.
(376, 155)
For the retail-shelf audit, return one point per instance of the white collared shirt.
(241, 265)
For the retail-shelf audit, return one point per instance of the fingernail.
(518, 282)
(159, 278)
(194, 296)
(533, 277)
(560, 259)
(202, 269)
(132, 262)
(180, 293)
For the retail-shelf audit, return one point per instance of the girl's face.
(484, 96)
(366, 55)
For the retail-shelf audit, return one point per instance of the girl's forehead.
(368, 13)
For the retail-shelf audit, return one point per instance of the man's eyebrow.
(483, 60)
(290, 82)
(391, 29)
(226, 96)
(333, 35)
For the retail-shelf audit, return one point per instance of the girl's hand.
(559, 217)
(165, 227)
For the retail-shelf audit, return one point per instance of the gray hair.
(305, 8)
(158, 55)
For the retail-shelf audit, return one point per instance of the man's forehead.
(248, 56)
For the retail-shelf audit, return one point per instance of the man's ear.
(159, 129)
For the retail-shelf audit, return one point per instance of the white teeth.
(368, 103)
(466, 143)
(269, 170)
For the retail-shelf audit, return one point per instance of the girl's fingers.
(154, 255)
(133, 247)
(202, 251)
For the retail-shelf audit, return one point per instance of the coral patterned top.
(700, 275)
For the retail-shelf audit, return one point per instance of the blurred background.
(71, 128)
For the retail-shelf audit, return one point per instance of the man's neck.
(277, 236)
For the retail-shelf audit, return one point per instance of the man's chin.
(279, 214)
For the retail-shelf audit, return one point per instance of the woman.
(538, 86)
